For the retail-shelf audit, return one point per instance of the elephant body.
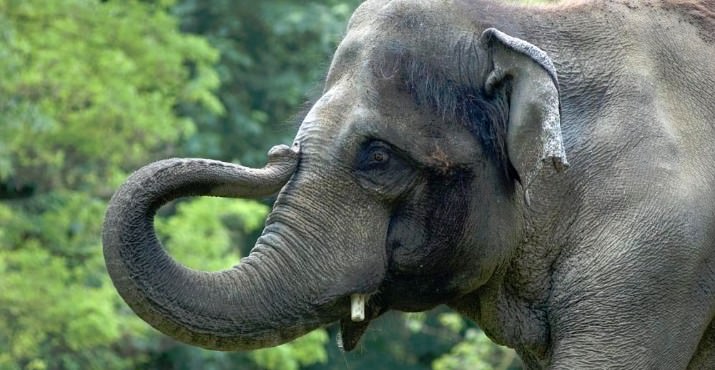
(547, 171)
(616, 268)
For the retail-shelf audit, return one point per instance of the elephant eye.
(375, 155)
(379, 156)
(382, 168)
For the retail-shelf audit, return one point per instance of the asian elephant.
(547, 171)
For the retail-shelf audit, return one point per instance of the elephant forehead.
(402, 33)
(417, 22)
(396, 10)
(339, 105)
(380, 29)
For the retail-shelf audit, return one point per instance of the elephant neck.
(510, 307)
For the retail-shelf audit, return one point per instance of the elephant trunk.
(250, 306)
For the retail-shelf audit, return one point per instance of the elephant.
(547, 171)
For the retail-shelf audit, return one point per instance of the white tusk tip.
(357, 307)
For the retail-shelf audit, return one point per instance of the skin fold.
(547, 171)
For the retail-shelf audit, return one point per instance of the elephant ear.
(534, 127)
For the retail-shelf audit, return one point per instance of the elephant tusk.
(357, 307)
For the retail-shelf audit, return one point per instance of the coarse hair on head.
(455, 95)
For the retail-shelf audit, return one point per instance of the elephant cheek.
(405, 245)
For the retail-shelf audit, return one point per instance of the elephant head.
(400, 192)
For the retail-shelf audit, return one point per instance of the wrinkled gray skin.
(408, 182)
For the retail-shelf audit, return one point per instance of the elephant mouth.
(395, 293)
(356, 304)
(363, 309)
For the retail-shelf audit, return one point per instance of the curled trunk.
(246, 307)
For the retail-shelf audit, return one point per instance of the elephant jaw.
(350, 334)
(352, 330)
(357, 311)
(356, 299)
(363, 311)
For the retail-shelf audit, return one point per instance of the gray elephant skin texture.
(548, 171)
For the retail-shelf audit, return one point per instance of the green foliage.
(304, 351)
(476, 351)
(89, 86)
(273, 55)
(89, 90)
(202, 232)
(57, 308)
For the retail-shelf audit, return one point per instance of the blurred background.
(91, 90)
